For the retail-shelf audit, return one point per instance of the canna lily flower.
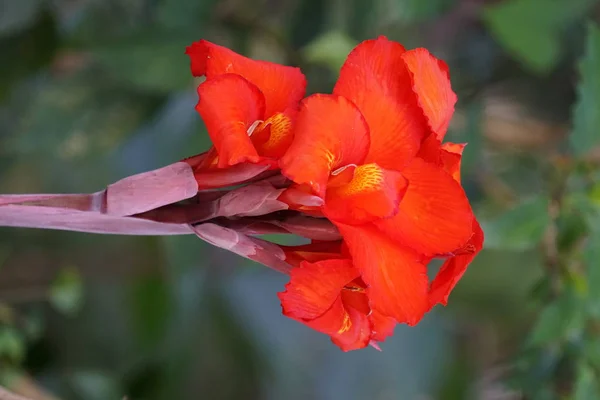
(372, 152)
(248, 106)
(326, 293)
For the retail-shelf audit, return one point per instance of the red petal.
(431, 83)
(451, 154)
(312, 252)
(229, 105)
(274, 136)
(453, 269)
(430, 150)
(282, 86)
(314, 287)
(330, 132)
(371, 193)
(349, 329)
(382, 326)
(396, 279)
(434, 217)
(355, 335)
(377, 80)
(355, 296)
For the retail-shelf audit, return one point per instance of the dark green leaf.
(66, 293)
(586, 125)
(530, 29)
(27, 50)
(519, 228)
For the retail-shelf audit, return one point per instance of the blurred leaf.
(419, 10)
(586, 119)
(559, 320)
(530, 29)
(17, 15)
(329, 49)
(472, 135)
(307, 22)
(33, 324)
(95, 385)
(572, 227)
(79, 116)
(519, 228)
(152, 61)
(27, 50)
(586, 385)
(183, 14)
(12, 344)
(591, 257)
(66, 293)
(591, 350)
(534, 369)
(151, 302)
(360, 18)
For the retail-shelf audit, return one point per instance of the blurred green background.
(94, 90)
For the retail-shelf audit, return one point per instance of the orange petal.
(274, 136)
(282, 86)
(434, 216)
(314, 287)
(378, 81)
(330, 132)
(396, 279)
(229, 105)
(372, 193)
(451, 154)
(431, 83)
(453, 269)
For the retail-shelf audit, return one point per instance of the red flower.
(326, 293)
(248, 106)
(372, 152)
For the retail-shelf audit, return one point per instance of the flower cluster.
(368, 158)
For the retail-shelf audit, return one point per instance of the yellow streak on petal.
(346, 324)
(366, 178)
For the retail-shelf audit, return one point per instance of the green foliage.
(151, 308)
(66, 293)
(29, 47)
(151, 61)
(586, 386)
(417, 10)
(531, 29)
(520, 228)
(562, 319)
(586, 120)
(12, 345)
(329, 49)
